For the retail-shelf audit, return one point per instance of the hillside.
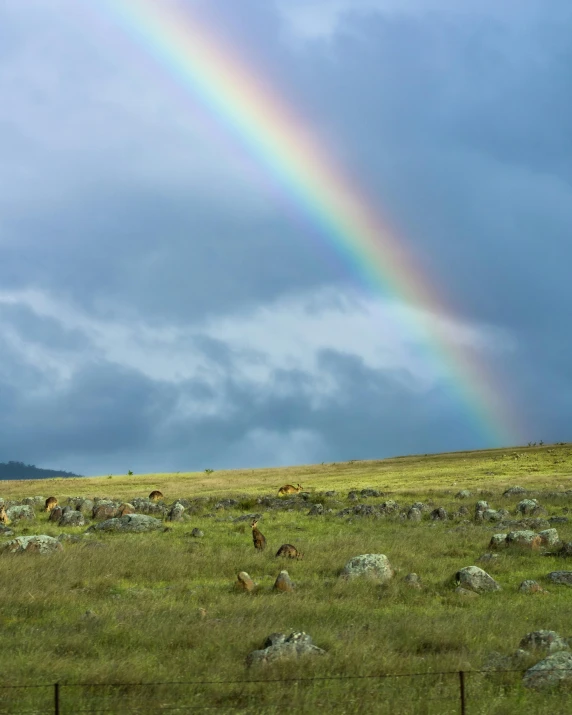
(19, 470)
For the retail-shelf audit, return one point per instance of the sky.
(165, 303)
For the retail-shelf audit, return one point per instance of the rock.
(463, 494)
(481, 506)
(56, 514)
(125, 508)
(512, 491)
(330, 493)
(561, 577)
(151, 508)
(72, 518)
(295, 645)
(525, 539)
(375, 566)
(353, 495)
(244, 582)
(544, 640)
(527, 507)
(389, 507)
(414, 514)
(465, 592)
(491, 515)
(40, 544)
(549, 537)
(197, 533)
(371, 493)
(21, 513)
(248, 517)
(104, 510)
(420, 505)
(488, 557)
(558, 520)
(475, 579)
(413, 581)
(547, 673)
(438, 514)
(6, 531)
(176, 512)
(226, 504)
(130, 523)
(316, 510)
(275, 639)
(283, 582)
(81, 504)
(34, 501)
(565, 549)
(498, 541)
(530, 586)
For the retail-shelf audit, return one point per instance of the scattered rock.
(21, 513)
(512, 491)
(374, 566)
(491, 515)
(34, 501)
(197, 533)
(293, 646)
(498, 541)
(463, 494)
(414, 514)
(226, 504)
(439, 514)
(129, 522)
(104, 510)
(176, 512)
(244, 582)
(465, 592)
(544, 640)
(549, 537)
(558, 519)
(56, 514)
(283, 582)
(331, 493)
(530, 586)
(525, 539)
(40, 544)
(488, 557)
(527, 507)
(561, 577)
(316, 510)
(72, 518)
(550, 671)
(475, 579)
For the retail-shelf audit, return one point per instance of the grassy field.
(161, 606)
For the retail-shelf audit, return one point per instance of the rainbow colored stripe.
(236, 96)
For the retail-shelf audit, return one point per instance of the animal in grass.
(289, 489)
(156, 495)
(51, 503)
(258, 537)
(289, 551)
(3, 516)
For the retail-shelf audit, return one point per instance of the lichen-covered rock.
(414, 514)
(375, 566)
(295, 645)
(525, 539)
(475, 579)
(530, 586)
(21, 513)
(72, 518)
(527, 507)
(466, 593)
(56, 514)
(512, 491)
(176, 512)
(544, 640)
(561, 577)
(498, 541)
(549, 537)
(151, 508)
(316, 510)
(130, 523)
(81, 504)
(34, 501)
(40, 544)
(104, 509)
(549, 672)
(463, 494)
(197, 533)
(439, 514)
(491, 515)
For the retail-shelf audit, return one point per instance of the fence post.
(462, 691)
(56, 698)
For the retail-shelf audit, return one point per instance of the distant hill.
(19, 470)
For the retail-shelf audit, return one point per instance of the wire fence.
(474, 692)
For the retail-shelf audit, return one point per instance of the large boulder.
(475, 579)
(72, 518)
(374, 566)
(21, 513)
(40, 544)
(104, 509)
(527, 507)
(554, 670)
(278, 647)
(129, 523)
(526, 539)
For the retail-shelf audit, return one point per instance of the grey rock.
(375, 566)
(275, 639)
(527, 507)
(21, 513)
(413, 581)
(525, 538)
(370, 493)
(475, 579)
(316, 510)
(330, 493)
(34, 501)
(565, 549)
(549, 537)
(197, 533)
(40, 544)
(463, 494)
(129, 523)
(498, 541)
(549, 672)
(72, 518)
(563, 578)
(176, 512)
(414, 514)
(491, 515)
(544, 640)
(530, 586)
(295, 645)
(558, 519)
(481, 506)
(226, 504)
(488, 557)
(512, 491)
(439, 514)
(248, 517)
(465, 592)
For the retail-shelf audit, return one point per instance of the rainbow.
(257, 117)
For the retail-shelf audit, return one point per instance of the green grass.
(146, 591)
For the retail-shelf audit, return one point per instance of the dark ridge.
(19, 470)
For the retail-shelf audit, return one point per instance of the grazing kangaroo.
(289, 551)
(51, 503)
(289, 489)
(3, 516)
(156, 495)
(257, 537)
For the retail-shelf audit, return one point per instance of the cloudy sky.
(165, 304)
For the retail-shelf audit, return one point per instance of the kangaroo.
(257, 537)
(290, 551)
(289, 489)
(51, 502)
(3, 516)
(156, 495)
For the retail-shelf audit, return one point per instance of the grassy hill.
(161, 606)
